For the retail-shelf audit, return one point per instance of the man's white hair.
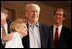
(29, 5)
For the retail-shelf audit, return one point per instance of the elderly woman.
(18, 30)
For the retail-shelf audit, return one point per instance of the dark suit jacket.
(45, 35)
(8, 23)
(64, 37)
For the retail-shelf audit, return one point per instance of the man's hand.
(8, 37)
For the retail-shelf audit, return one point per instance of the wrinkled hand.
(7, 37)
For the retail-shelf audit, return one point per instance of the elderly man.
(39, 35)
(60, 33)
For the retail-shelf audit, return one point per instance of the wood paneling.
(47, 10)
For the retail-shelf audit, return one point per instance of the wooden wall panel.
(47, 10)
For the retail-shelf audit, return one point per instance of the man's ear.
(64, 18)
(26, 14)
(6, 15)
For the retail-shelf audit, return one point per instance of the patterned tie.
(56, 38)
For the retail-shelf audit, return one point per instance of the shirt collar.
(58, 27)
(37, 24)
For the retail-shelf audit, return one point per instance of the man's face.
(58, 18)
(3, 18)
(33, 13)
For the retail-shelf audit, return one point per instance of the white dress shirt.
(15, 42)
(6, 31)
(34, 36)
(54, 30)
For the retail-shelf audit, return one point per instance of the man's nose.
(57, 16)
(34, 12)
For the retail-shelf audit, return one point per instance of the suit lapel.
(28, 43)
(52, 30)
(41, 37)
(61, 36)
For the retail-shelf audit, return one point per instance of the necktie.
(56, 38)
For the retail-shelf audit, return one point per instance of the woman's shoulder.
(16, 34)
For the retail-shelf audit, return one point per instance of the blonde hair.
(16, 23)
